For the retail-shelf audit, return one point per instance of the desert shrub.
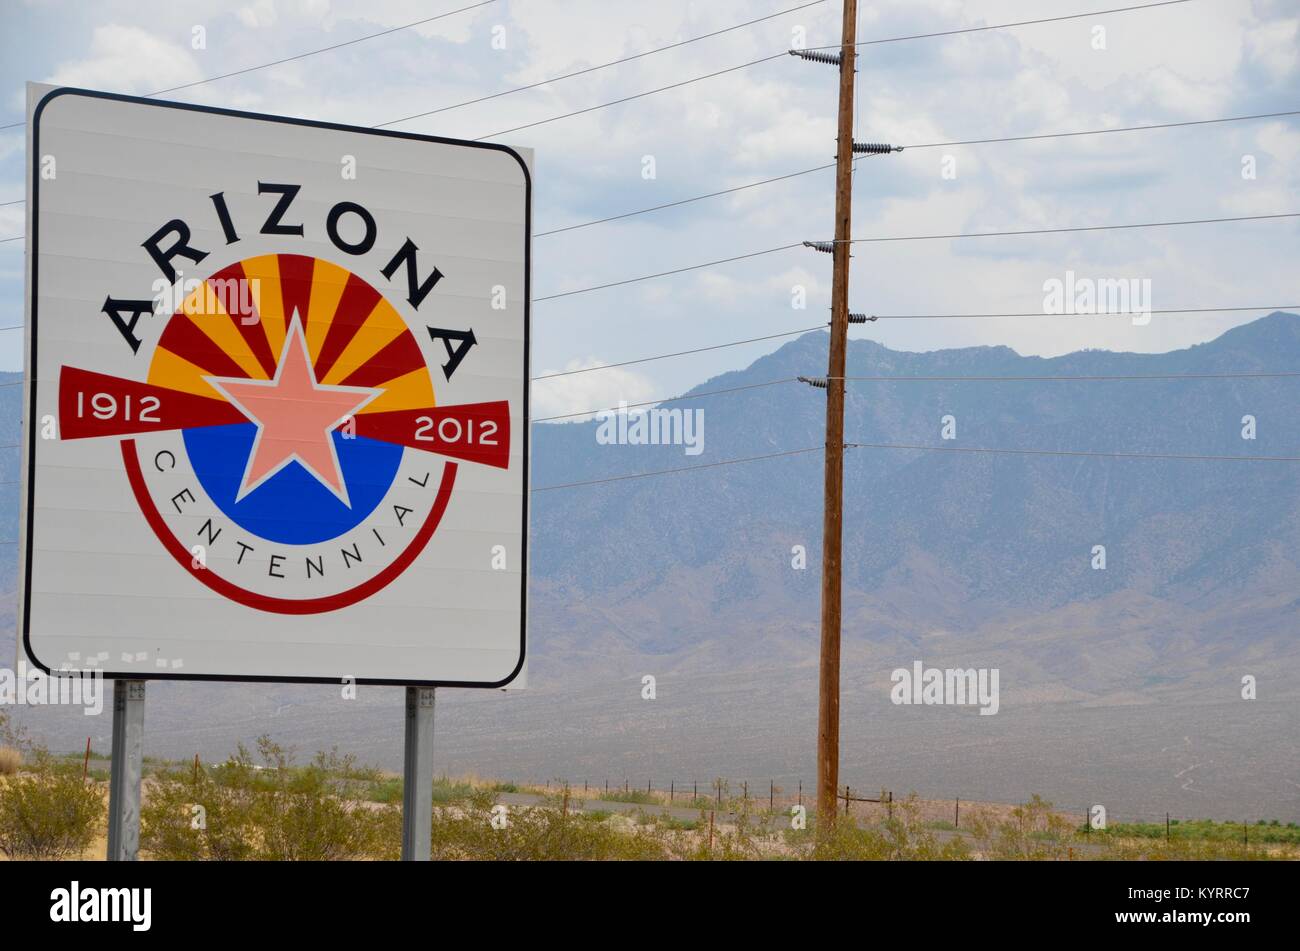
(271, 810)
(638, 796)
(48, 812)
(11, 736)
(300, 817)
(1031, 832)
(901, 837)
(536, 833)
(224, 829)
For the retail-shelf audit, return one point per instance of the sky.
(1180, 62)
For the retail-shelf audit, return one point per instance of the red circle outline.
(265, 602)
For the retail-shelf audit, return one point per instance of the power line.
(1067, 379)
(923, 145)
(680, 270)
(1166, 456)
(1142, 224)
(290, 59)
(792, 333)
(671, 399)
(639, 95)
(679, 353)
(1188, 310)
(804, 330)
(625, 59)
(592, 69)
(684, 201)
(706, 465)
(1078, 452)
(407, 26)
(755, 63)
(920, 237)
(1005, 26)
(1132, 128)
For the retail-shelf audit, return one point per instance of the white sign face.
(277, 416)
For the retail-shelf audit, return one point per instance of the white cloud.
(130, 59)
(588, 392)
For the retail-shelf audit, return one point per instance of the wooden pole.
(956, 816)
(85, 766)
(828, 712)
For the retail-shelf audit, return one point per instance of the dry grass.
(10, 761)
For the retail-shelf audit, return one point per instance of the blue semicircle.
(291, 507)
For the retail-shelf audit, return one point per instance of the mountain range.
(1122, 681)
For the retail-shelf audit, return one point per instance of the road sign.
(277, 416)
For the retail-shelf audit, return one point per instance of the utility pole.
(828, 712)
(828, 706)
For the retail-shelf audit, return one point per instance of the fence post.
(801, 792)
(846, 800)
(672, 790)
(956, 816)
(771, 795)
(1166, 827)
(647, 786)
(744, 791)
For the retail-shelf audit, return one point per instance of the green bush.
(901, 837)
(272, 810)
(536, 833)
(48, 812)
(203, 814)
(1032, 832)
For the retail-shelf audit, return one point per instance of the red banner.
(95, 404)
(474, 432)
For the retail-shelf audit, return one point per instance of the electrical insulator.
(861, 318)
(832, 59)
(825, 247)
(817, 381)
(875, 148)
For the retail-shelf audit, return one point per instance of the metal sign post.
(417, 776)
(125, 771)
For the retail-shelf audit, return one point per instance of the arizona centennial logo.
(282, 437)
